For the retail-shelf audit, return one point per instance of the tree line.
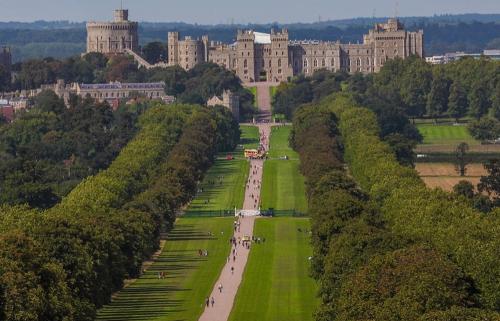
(386, 247)
(65, 262)
(49, 149)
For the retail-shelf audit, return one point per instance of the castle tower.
(206, 46)
(113, 37)
(121, 15)
(173, 48)
(245, 49)
(280, 66)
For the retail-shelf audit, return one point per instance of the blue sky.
(239, 11)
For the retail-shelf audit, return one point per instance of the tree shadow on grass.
(151, 297)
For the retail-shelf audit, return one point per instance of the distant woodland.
(61, 39)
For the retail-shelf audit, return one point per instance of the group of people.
(255, 183)
(162, 275)
(208, 301)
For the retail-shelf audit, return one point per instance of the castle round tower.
(113, 37)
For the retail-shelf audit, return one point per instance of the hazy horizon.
(224, 11)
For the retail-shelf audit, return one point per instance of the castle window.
(245, 63)
(333, 62)
(358, 62)
(315, 62)
(279, 71)
(305, 63)
(279, 62)
(270, 64)
(323, 63)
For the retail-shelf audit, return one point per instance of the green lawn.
(234, 173)
(225, 194)
(189, 278)
(445, 134)
(249, 137)
(283, 184)
(276, 285)
(279, 143)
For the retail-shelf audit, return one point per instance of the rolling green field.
(276, 285)
(223, 187)
(445, 134)
(189, 278)
(283, 184)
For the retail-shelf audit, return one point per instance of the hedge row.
(470, 238)
(66, 262)
(365, 270)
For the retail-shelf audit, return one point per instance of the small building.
(228, 100)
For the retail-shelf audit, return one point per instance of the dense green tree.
(491, 183)
(457, 101)
(404, 285)
(495, 102)
(486, 128)
(47, 101)
(154, 52)
(479, 100)
(464, 188)
(437, 99)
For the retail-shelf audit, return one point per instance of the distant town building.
(228, 100)
(454, 56)
(6, 110)
(273, 57)
(113, 37)
(6, 58)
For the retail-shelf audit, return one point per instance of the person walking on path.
(220, 287)
(213, 302)
(207, 302)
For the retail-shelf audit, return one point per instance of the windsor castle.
(265, 56)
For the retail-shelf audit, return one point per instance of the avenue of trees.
(65, 262)
(386, 247)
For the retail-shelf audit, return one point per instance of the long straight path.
(226, 287)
